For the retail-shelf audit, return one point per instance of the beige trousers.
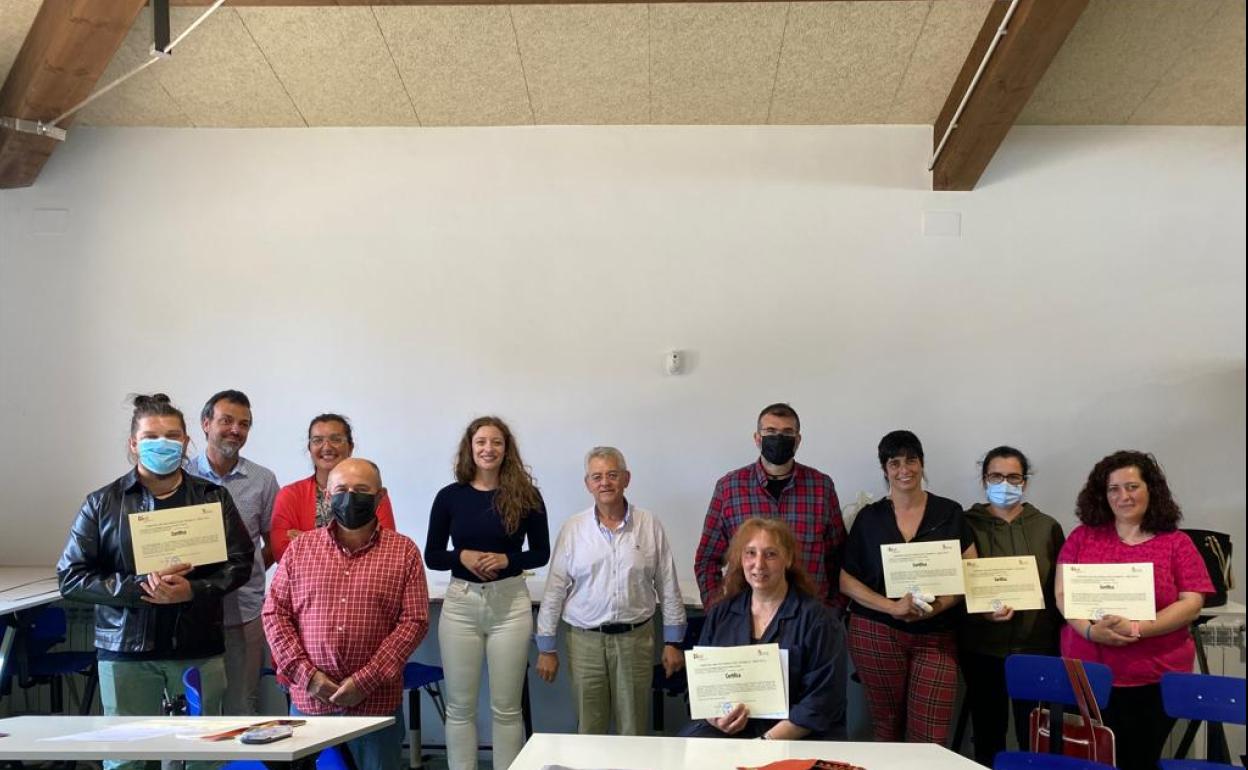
(611, 676)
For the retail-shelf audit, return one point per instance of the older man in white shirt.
(611, 567)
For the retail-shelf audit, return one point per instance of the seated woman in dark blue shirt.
(768, 599)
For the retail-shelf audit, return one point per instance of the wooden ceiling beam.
(1035, 34)
(278, 3)
(66, 51)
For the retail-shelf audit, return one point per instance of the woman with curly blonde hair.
(477, 529)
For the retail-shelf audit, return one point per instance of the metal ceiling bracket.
(160, 25)
(36, 127)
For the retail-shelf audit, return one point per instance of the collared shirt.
(808, 504)
(356, 614)
(600, 575)
(254, 488)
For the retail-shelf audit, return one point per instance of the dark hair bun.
(141, 400)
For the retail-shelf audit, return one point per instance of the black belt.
(618, 628)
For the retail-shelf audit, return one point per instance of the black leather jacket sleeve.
(90, 571)
(87, 575)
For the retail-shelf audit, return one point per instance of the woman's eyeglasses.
(1013, 478)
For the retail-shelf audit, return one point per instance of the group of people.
(349, 601)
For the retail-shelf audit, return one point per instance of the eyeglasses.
(1013, 478)
(790, 432)
(594, 478)
(335, 440)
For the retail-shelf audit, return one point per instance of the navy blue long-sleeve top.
(467, 517)
(817, 655)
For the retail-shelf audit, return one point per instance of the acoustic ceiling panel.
(334, 63)
(586, 63)
(842, 62)
(1117, 53)
(1206, 85)
(714, 63)
(461, 64)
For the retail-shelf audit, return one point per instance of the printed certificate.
(1005, 581)
(933, 568)
(722, 677)
(1092, 591)
(191, 535)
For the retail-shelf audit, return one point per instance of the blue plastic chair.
(417, 677)
(1026, 760)
(1203, 698)
(192, 684)
(39, 666)
(1043, 678)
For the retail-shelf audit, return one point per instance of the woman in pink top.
(1129, 516)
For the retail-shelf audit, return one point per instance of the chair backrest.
(331, 759)
(49, 628)
(1026, 760)
(420, 674)
(192, 683)
(1205, 697)
(1044, 678)
(693, 632)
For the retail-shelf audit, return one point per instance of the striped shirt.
(808, 504)
(347, 614)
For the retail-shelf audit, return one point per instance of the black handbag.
(1215, 549)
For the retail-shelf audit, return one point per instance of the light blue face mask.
(161, 456)
(1004, 494)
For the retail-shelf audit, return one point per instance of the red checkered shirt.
(346, 614)
(808, 505)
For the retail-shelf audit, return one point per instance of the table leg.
(6, 646)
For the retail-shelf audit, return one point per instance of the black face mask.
(353, 510)
(779, 449)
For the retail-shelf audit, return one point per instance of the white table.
(22, 588)
(23, 741)
(649, 753)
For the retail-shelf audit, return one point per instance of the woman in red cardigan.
(302, 506)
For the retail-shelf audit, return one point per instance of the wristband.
(1087, 632)
(1135, 628)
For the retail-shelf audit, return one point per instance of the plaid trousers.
(910, 680)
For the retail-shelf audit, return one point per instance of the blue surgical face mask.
(1004, 494)
(161, 456)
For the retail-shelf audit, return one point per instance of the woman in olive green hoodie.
(1007, 526)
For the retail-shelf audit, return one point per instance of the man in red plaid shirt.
(776, 487)
(347, 606)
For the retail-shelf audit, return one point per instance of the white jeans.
(494, 620)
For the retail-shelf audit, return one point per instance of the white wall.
(413, 279)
